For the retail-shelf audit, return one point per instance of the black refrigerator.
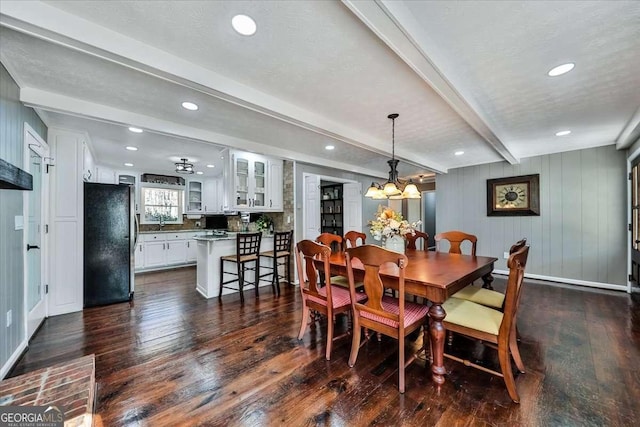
(110, 232)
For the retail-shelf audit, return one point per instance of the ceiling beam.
(396, 26)
(54, 25)
(40, 99)
(630, 133)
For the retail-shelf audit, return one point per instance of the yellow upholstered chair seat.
(343, 282)
(340, 281)
(471, 315)
(481, 296)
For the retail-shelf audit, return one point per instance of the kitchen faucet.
(161, 223)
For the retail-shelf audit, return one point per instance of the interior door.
(311, 210)
(36, 151)
(352, 201)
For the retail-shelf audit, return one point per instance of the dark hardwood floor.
(175, 358)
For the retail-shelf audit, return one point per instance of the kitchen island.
(210, 249)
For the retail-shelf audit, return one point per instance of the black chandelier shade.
(184, 167)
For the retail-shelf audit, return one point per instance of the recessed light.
(135, 130)
(199, 173)
(244, 25)
(189, 106)
(459, 153)
(329, 147)
(563, 133)
(129, 164)
(561, 69)
(211, 166)
(131, 148)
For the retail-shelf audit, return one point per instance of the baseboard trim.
(599, 285)
(164, 267)
(13, 359)
(200, 292)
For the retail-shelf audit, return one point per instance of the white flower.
(389, 223)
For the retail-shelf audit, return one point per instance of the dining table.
(434, 276)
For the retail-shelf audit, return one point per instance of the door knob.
(29, 247)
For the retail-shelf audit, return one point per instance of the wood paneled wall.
(13, 115)
(581, 232)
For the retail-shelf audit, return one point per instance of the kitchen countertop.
(230, 236)
(174, 231)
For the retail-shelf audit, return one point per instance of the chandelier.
(393, 188)
(184, 167)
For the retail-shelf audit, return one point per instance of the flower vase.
(395, 243)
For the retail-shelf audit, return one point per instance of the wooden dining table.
(431, 275)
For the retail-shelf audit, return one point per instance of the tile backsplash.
(194, 224)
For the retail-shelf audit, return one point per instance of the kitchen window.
(161, 205)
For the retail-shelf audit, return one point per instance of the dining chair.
(413, 238)
(247, 251)
(385, 314)
(411, 244)
(487, 297)
(492, 327)
(336, 243)
(320, 295)
(351, 239)
(280, 256)
(455, 239)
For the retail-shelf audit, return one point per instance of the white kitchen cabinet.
(166, 249)
(176, 248)
(275, 184)
(176, 252)
(155, 254)
(192, 250)
(248, 181)
(105, 175)
(139, 256)
(194, 203)
(213, 196)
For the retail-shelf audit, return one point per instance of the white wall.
(581, 233)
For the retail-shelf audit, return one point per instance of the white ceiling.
(463, 75)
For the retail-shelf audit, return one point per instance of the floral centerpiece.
(389, 224)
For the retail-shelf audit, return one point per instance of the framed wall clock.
(514, 196)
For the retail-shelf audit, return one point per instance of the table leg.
(437, 335)
(487, 279)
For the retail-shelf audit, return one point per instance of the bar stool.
(247, 251)
(281, 252)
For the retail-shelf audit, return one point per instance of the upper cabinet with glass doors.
(250, 182)
(249, 178)
(194, 197)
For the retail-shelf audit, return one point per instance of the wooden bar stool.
(247, 251)
(281, 252)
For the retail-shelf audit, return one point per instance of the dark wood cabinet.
(331, 209)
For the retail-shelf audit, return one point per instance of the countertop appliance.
(110, 234)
